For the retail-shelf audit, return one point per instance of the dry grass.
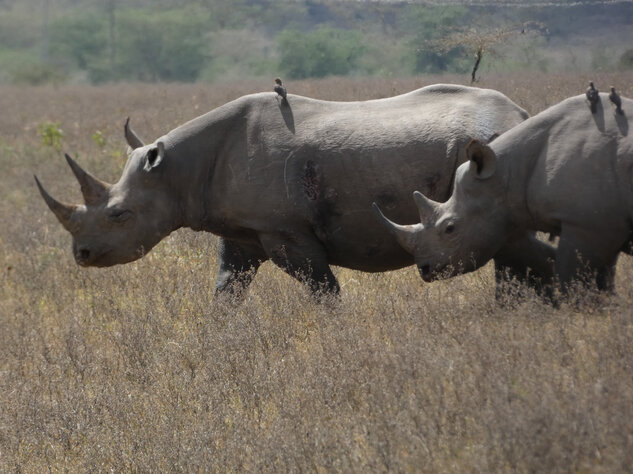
(134, 368)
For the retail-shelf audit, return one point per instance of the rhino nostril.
(83, 255)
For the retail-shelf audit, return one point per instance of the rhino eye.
(120, 215)
(449, 228)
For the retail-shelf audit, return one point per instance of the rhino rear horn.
(62, 211)
(93, 189)
(405, 234)
(426, 206)
(131, 138)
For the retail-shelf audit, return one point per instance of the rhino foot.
(526, 260)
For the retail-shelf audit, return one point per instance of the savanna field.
(135, 368)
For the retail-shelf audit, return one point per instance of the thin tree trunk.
(478, 55)
(45, 40)
(112, 32)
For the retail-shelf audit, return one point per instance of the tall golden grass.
(135, 368)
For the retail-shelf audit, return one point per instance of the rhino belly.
(362, 246)
(367, 258)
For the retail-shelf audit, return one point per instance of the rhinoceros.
(291, 181)
(566, 171)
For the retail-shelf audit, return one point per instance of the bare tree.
(481, 42)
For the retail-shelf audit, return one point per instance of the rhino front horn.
(93, 189)
(62, 211)
(405, 234)
(131, 138)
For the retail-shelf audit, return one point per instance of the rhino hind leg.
(303, 257)
(237, 266)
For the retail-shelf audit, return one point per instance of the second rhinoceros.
(291, 181)
(566, 171)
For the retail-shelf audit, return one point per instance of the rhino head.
(463, 233)
(120, 222)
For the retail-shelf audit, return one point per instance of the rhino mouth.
(105, 256)
(425, 272)
(439, 272)
(88, 257)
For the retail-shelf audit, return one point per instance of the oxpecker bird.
(593, 97)
(280, 89)
(615, 99)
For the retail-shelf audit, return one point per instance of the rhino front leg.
(528, 260)
(238, 264)
(605, 279)
(303, 257)
(586, 257)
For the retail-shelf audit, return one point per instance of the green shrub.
(158, 46)
(51, 134)
(430, 24)
(34, 72)
(323, 52)
(165, 46)
(81, 39)
(626, 60)
(99, 139)
(237, 54)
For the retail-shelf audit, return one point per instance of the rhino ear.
(483, 161)
(154, 157)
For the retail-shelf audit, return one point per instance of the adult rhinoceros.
(565, 171)
(291, 181)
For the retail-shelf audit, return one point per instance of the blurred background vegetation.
(95, 41)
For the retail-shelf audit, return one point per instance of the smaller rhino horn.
(404, 234)
(93, 189)
(62, 211)
(132, 138)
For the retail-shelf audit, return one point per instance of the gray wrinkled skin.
(565, 171)
(288, 181)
